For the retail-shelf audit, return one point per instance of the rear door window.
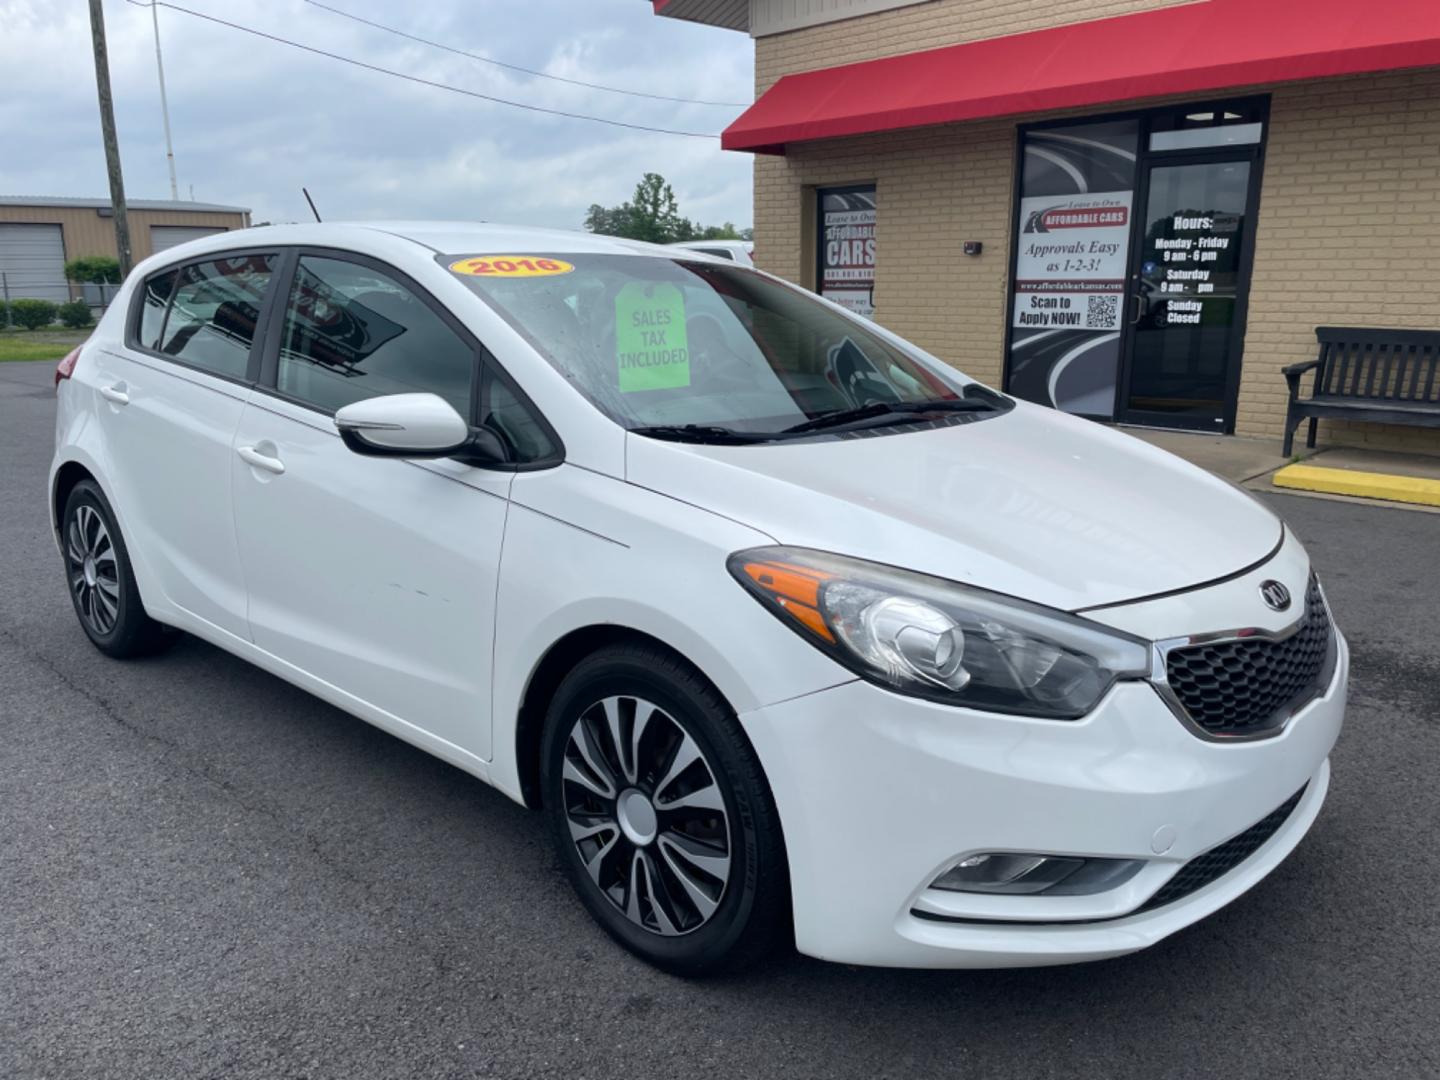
(213, 316)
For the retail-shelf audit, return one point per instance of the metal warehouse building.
(39, 235)
(1133, 210)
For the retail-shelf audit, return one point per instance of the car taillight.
(66, 367)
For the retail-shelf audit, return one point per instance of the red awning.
(1209, 46)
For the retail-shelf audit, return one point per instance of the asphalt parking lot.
(207, 873)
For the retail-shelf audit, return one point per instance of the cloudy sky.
(253, 120)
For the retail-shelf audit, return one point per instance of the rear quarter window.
(154, 300)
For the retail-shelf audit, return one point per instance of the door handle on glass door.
(1139, 309)
(252, 456)
(116, 394)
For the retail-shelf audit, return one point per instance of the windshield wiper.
(975, 400)
(701, 433)
(900, 410)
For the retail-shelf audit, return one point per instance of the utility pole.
(164, 105)
(107, 129)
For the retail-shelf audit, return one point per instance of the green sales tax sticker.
(650, 344)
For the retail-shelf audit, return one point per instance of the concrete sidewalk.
(1253, 463)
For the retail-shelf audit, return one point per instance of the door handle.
(1139, 312)
(251, 456)
(116, 394)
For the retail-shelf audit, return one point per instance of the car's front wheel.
(661, 814)
(102, 583)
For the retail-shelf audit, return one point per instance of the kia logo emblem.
(1275, 595)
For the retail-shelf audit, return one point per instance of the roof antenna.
(311, 201)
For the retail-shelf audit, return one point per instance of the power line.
(516, 67)
(423, 82)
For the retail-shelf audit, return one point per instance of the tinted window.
(352, 333)
(506, 415)
(212, 319)
(154, 299)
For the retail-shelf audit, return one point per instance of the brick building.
(1135, 210)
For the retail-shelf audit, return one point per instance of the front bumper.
(878, 794)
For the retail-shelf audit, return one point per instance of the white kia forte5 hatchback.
(783, 624)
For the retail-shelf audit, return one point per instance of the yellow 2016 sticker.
(511, 266)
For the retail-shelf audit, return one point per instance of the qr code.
(1101, 315)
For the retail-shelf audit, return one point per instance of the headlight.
(937, 639)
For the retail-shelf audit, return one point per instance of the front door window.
(352, 332)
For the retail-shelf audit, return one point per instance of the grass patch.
(48, 344)
(30, 350)
(45, 333)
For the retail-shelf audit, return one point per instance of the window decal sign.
(510, 266)
(1070, 269)
(651, 347)
(847, 248)
(1074, 220)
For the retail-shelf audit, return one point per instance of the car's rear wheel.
(101, 581)
(661, 814)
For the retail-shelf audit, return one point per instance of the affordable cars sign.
(847, 248)
(1070, 268)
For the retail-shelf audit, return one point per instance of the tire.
(710, 892)
(100, 579)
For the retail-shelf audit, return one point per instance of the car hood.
(1033, 503)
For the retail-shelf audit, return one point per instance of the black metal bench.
(1383, 376)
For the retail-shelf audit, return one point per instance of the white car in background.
(781, 622)
(737, 251)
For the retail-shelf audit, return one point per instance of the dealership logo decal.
(1275, 595)
(1077, 217)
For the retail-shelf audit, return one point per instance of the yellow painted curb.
(1364, 485)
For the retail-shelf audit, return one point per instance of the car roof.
(481, 238)
(746, 244)
(445, 238)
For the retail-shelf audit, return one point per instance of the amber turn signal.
(795, 590)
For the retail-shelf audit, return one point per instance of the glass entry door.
(1180, 365)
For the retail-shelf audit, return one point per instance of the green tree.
(93, 269)
(653, 214)
(720, 232)
(608, 220)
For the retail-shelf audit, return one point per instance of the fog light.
(1028, 875)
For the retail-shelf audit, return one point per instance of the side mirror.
(415, 426)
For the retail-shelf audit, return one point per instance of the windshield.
(665, 344)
